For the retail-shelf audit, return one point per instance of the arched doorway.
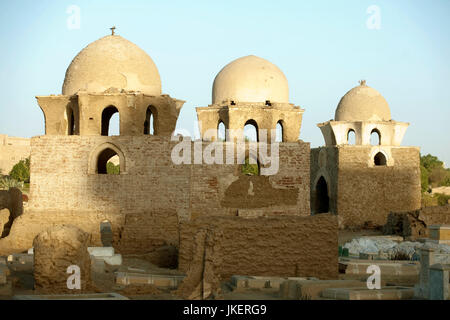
(279, 131)
(351, 137)
(251, 131)
(110, 126)
(104, 165)
(375, 137)
(380, 159)
(322, 199)
(221, 132)
(70, 122)
(150, 121)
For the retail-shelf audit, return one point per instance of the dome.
(112, 62)
(363, 103)
(250, 79)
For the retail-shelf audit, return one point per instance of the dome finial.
(112, 30)
(362, 82)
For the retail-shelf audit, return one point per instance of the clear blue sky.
(323, 47)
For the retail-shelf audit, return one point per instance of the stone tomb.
(440, 233)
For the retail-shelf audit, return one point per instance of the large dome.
(112, 62)
(363, 103)
(250, 79)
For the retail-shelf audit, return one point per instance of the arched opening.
(110, 121)
(108, 162)
(250, 168)
(351, 137)
(279, 132)
(322, 200)
(375, 137)
(221, 132)
(251, 131)
(70, 122)
(150, 121)
(380, 159)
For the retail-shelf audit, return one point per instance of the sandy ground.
(442, 190)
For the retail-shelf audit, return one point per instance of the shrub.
(111, 168)
(442, 199)
(250, 169)
(21, 171)
(8, 182)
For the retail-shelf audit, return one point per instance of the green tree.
(21, 171)
(424, 178)
(435, 171)
(250, 169)
(111, 168)
(430, 162)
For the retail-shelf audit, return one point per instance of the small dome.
(112, 62)
(250, 79)
(363, 103)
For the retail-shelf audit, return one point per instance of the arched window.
(380, 159)
(322, 200)
(251, 131)
(150, 120)
(110, 121)
(351, 137)
(108, 162)
(279, 132)
(221, 132)
(250, 167)
(375, 137)
(70, 122)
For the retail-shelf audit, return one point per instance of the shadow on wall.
(12, 200)
(257, 192)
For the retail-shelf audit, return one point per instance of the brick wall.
(152, 195)
(370, 193)
(266, 246)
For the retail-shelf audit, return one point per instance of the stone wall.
(152, 194)
(12, 150)
(368, 194)
(361, 192)
(324, 164)
(414, 224)
(266, 246)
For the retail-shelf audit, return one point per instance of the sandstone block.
(55, 250)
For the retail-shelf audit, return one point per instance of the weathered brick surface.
(360, 193)
(267, 246)
(414, 224)
(152, 194)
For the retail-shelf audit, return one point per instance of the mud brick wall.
(223, 190)
(267, 246)
(152, 194)
(369, 194)
(327, 168)
(414, 224)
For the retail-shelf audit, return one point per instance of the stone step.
(101, 251)
(160, 281)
